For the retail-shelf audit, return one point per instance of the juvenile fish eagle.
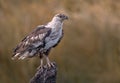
(41, 40)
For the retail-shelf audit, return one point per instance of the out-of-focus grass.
(89, 51)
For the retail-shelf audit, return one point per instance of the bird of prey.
(41, 40)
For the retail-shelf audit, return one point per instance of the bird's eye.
(60, 16)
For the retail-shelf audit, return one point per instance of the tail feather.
(23, 56)
(15, 56)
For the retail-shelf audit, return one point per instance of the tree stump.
(45, 75)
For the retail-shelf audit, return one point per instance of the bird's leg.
(41, 62)
(49, 63)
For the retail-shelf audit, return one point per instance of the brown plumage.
(41, 40)
(32, 42)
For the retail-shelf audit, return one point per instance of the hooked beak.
(66, 18)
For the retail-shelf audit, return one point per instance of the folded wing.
(30, 45)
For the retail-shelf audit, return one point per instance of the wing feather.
(32, 42)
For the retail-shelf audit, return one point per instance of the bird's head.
(60, 17)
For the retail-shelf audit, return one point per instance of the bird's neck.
(54, 24)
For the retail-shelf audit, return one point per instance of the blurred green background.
(89, 51)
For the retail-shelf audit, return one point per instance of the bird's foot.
(50, 64)
(40, 68)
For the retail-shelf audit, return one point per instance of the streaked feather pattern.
(41, 39)
(29, 45)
